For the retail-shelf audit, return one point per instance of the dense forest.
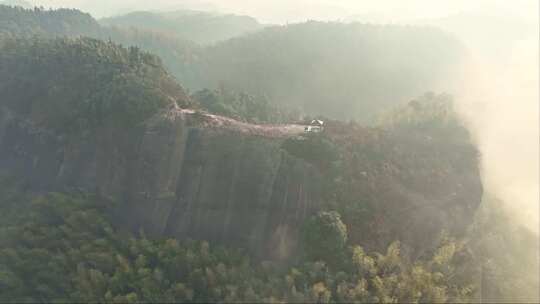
(83, 84)
(20, 3)
(101, 139)
(325, 67)
(196, 26)
(63, 248)
(16, 20)
(366, 68)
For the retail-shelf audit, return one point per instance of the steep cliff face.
(89, 115)
(176, 178)
(220, 185)
(182, 177)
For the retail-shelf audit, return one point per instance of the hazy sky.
(281, 11)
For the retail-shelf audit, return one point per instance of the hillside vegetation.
(116, 187)
(62, 22)
(200, 27)
(373, 176)
(21, 3)
(68, 247)
(77, 85)
(64, 248)
(315, 67)
(327, 67)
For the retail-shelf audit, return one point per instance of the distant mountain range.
(21, 3)
(319, 68)
(197, 26)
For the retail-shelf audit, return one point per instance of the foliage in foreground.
(65, 249)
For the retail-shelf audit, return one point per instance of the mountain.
(324, 68)
(99, 90)
(83, 84)
(316, 68)
(107, 120)
(200, 27)
(61, 22)
(21, 3)
(178, 54)
(119, 185)
(106, 174)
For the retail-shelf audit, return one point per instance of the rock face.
(176, 178)
(221, 186)
(180, 176)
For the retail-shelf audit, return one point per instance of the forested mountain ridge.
(83, 84)
(74, 23)
(21, 3)
(313, 67)
(167, 174)
(324, 67)
(109, 121)
(200, 27)
(62, 22)
(109, 168)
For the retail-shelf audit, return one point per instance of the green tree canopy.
(325, 236)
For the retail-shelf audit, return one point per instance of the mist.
(500, 102)
(497, 94)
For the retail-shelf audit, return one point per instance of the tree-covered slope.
(352, 214)
(64, 248)
(200, 27)
(99, 122)
(86, 114)
(178, 54)
(62, 22)
(59, 90)
(410, 178)
(316, 67)
(328, 67)
(75, 247)
(21, 3)
(76, 85)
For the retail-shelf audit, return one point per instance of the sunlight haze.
(269, 151)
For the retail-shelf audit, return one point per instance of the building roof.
(317, 122)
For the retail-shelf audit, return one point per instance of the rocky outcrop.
(176, 177)
(187, 175)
